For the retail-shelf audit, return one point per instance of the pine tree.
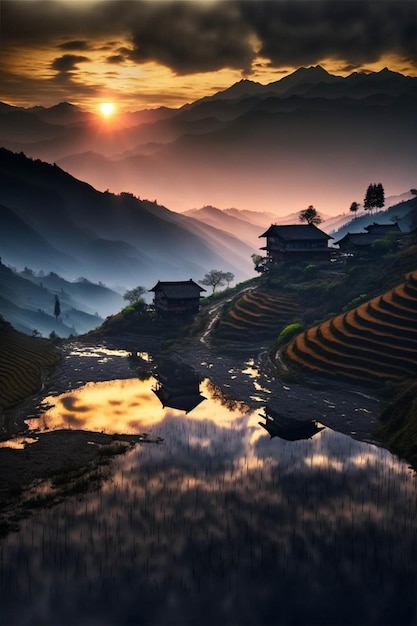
(375, 197)
(57, 307)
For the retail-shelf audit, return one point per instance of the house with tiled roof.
(357, 243)
(181, 297)
(296, 242)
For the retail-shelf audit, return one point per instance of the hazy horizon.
(112, 57)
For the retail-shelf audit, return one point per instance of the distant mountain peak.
(315, 70)
(63, 106)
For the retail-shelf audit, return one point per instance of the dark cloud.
(358, 31)
(67, 62)
(115, 59)
(79, 45)
(191, 37)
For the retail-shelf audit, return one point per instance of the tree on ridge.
(310, 215)
(135, 294)
(354, 208)
(375, 197)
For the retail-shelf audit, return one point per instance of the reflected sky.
(217, 525)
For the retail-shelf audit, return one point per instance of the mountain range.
(308, 138)
(53, 222)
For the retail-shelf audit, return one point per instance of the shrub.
(288, 333)
(355, 302)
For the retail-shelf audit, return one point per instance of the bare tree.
(228, 277)
(213, 279)
(134, 295)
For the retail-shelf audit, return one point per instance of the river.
(216, 523)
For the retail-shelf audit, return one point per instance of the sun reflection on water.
(219, 510)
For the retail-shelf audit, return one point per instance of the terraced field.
(257, 314)
(24, 360)
(374, 342)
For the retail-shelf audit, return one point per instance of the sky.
(137, 54)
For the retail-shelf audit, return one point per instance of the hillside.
(59, 223)
(27, 301)
(24, 364)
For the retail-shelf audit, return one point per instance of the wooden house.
(357, 243)
(296, 242)
(180, 298)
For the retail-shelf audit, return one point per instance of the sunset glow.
(82, 50)
(107, 109)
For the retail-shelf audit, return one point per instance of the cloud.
(358, 31)
(75, 45)
(68, 62)
(191, 37)
(115, 59)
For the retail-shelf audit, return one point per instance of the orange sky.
(143, 54)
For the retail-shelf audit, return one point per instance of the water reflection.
(178, 386)
(219, 525)
(290, 429)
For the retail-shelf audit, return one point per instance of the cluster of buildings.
(287, 243)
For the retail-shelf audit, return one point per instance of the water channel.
(217, 523)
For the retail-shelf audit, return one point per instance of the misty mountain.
(249, 224)
(20, 241)
(116, 239)
(27, 301)
(308, 138)
(248, 232)
(259, 218)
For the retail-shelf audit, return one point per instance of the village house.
(180, 298)
(358, 243)
(296, 242)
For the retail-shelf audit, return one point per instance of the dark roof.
(178, 289)
(184, 403)
(295, 232)
(382, 228)
(358, 239)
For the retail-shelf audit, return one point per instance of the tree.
(310, 215)
(213, 279)
(354, 208)
(134, 295)
(375, 197)
(228, 277)
(259, 262)
(57, 307)
(380, 196)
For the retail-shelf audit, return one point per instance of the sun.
(107, 109)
